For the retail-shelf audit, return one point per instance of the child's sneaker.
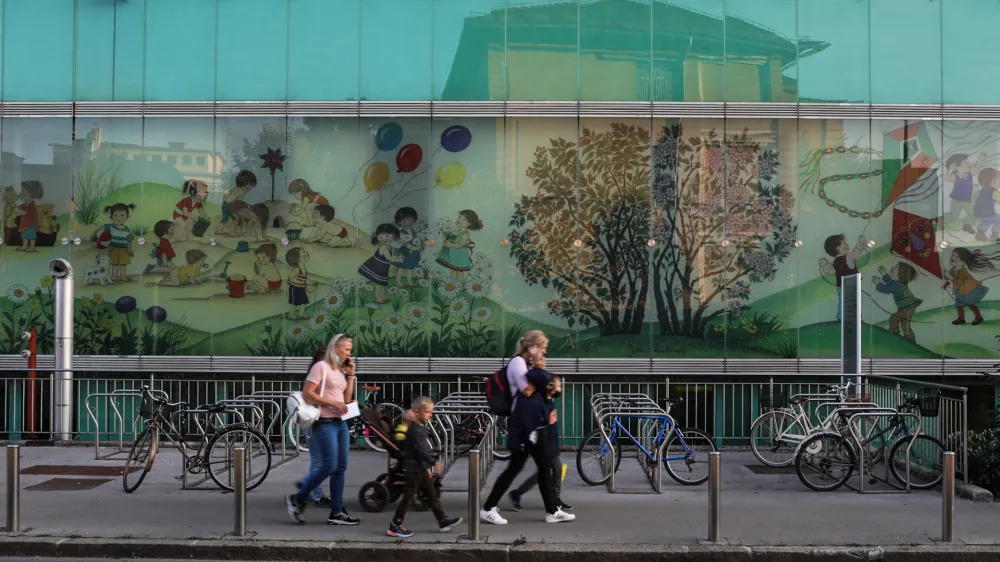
(492, 516)
(295, 509)
(447, 523)
(559, 516)
(515, 501)
(398, 531)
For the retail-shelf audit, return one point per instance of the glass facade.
(677, 236)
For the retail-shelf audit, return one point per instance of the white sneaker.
(559, 516)
(492, 516)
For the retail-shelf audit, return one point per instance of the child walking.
(376, 268)
(845, 260)
(456, 254)
(896, 282)
(298, 281)
(556, 472)
(419, 465)
(967, 289)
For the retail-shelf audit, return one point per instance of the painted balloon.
(456, 138)
(376, 176)
(388, 137)
(408, 158)
(450, 175)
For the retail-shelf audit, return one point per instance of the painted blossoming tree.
(707, 190)
(595, 191)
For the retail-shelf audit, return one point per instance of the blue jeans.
(314, 462)
(328, 446)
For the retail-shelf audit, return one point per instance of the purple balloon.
(456, 138)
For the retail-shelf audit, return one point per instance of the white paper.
(352, 411)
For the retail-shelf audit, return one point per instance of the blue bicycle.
(685, 456)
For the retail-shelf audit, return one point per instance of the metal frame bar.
(110, 400)
(608, 405)
(856, 436)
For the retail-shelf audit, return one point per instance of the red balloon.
(408, 158)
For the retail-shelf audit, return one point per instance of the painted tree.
(595, 191)
(707, 190)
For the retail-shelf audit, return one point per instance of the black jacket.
(552, 430)
(417, 453)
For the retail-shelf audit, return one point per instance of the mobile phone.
(347, 362)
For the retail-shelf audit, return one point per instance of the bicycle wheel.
(774, 437)
(140, 460)
(686, 457)
(500, 451)
(926, 462)
(824, 462)
(591, 458)
(394, 414)
(221, 455)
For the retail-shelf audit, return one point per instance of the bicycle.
(299, 437)
(833, 455)
(686, 449)
(216, 445)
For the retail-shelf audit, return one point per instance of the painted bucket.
(200, 226)
(237, 285)
(242, 246)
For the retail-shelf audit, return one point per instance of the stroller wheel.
(382, 477)
(373, 497)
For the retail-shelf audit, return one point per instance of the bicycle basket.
(776, 398)
(929, 403)
(146, 407)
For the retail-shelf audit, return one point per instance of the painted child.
(27, 226)
(961, 172)
(985, 210)
(120, 250)
(967, 289)
(844, 260)
(456, 254)
(322, 230)
(189, 274)
(266, 277)
(197, 193)
(163, 253)
(410, 245)
(306, 197)
(896, 282)
(232, 221)
(298, 283)
(376, 268)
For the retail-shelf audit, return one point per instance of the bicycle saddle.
(799, 400)
(673, 400)
(371, 388)
(213, 408)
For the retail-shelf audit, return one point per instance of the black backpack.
(498, 393)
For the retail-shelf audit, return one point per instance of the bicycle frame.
(661, 436)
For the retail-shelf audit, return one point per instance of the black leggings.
(539, 453)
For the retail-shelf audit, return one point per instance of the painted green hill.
(822, 341)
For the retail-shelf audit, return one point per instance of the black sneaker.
(515, 501)
(322, 501)
(342, 518)
(565, 507)
(295, 509)
(448, 523)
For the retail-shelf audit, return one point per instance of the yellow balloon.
(450, 175)
(376, 176)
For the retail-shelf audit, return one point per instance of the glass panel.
(536, 283)
(904, 70)
(615, 51)
(834, 51)
(38, 51)
(252, 67)
(396, 45)
(323, 43)
(95, 51)
(465, 35)
(761, 51)
(964, 25)
(180, 66)
(688, 50)
(543, 50)
(129, 59)
(36, 164)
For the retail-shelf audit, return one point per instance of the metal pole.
(714, 495)
(948, 499)
(62, 272)
(240, 493)
(474, 487)
(965, 436)
(13, 488)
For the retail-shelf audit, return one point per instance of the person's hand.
(823, 262)
(348, 370)
(339, 408)
(553, 416)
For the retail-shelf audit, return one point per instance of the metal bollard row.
(714, 496)
(948, 499)
(240, 493)
(13, 488)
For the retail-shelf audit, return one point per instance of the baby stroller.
(375, 495)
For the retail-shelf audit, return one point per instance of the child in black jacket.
(553, 390)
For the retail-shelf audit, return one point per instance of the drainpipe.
(62, 272)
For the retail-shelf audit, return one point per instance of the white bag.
(306, 414)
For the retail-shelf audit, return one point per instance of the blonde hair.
(533, 338)
(331, 348)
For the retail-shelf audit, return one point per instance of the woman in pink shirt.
(330, 385)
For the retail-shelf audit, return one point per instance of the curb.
(974, 493)
(54, 547)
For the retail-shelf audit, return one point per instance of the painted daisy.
(18, 294)
(296, 331)
(416, 314)
(477, 287)
(333, 300)
(459, 306)
(448, 288)
(317, 322)
(482, 314)
(393, 321)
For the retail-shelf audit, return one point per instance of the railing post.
(13, 488)
(948, 499)
(714, 495)
(240, 493)
(965, 436)
(474, 487)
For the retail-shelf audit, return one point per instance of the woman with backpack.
(526, 430)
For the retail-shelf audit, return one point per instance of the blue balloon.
(456, 138)
(388, 137)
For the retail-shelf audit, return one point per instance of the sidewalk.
(758, 510)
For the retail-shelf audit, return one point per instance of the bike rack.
(291, 417)
(878, 412)
(607, 405)
(464, 404)
(192, 414)
(111, 400)
(260, 402)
